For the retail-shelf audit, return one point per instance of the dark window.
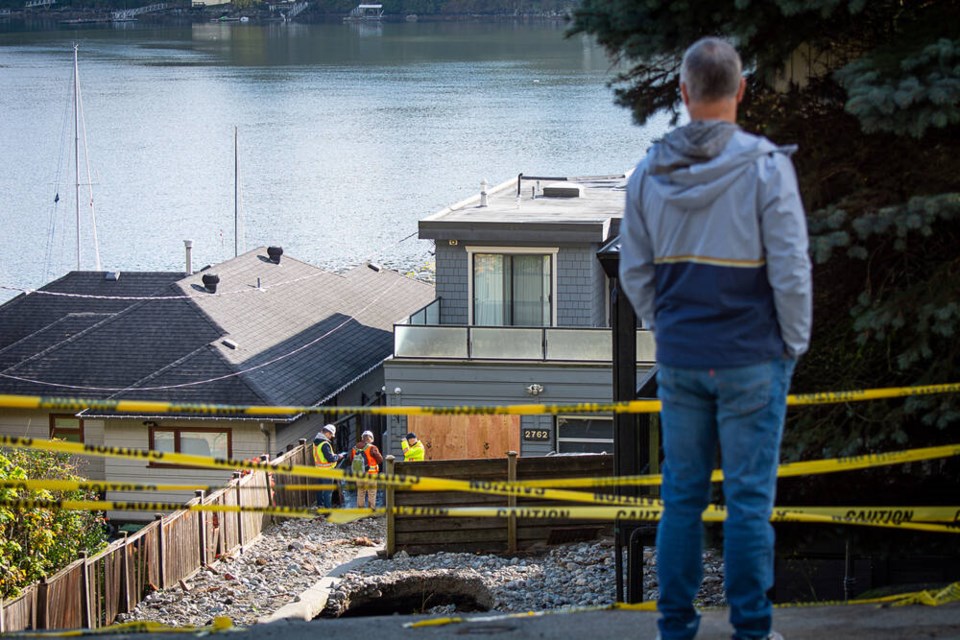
(66, 427)
(584, 434)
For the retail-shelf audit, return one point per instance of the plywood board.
(464, 437)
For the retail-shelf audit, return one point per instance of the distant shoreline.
(57, 19)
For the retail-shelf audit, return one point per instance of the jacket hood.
(692, 165)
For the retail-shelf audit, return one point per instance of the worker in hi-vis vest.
(324, 457)
(365, 460)
(413, 450)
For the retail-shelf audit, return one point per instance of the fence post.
(304, 499)
(202, 520)
(42, 613)
(236, 478)
(265, 458)
(3, 627)
(161, 555)
(86, 613)
(391, 518)
(512, 502)
(123, 601)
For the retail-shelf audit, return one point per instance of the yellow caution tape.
(99, 486)
(521, 490)
(928, 598)
(383, 479)
(916, 518)
(307, 487)
(333, 515)
(884, 514)
(219, 623)
(633, 406)
(901, 518)
(861, 395)
(788, 469)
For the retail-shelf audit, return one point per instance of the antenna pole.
(76, 142)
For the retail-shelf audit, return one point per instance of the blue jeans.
(325, 499)
(742, 410)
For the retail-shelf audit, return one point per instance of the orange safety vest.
(318, 458)
(372, 466)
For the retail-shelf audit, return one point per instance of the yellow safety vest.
(414, 453)
(318, 458)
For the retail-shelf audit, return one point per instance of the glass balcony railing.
(430, 314)
(459, 342)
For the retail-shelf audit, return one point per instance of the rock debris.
(295, 554)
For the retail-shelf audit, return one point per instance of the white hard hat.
(366, 433)
(332, 430)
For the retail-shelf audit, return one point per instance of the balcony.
(548, 344)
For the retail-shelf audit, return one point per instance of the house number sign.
(536, 435)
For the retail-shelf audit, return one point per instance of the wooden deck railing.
(90, 592)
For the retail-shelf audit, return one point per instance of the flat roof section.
(536, 216)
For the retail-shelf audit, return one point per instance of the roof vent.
(210, 282)
(111, 275)
(229, 344)
(275, 253)
(562, 190)
(374, 266)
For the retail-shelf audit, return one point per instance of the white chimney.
(188, 245)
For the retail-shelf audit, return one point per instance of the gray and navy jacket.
(713, 251)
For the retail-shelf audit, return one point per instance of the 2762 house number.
(536, 435)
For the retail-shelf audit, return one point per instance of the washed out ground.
(282, 565)
(258, 589)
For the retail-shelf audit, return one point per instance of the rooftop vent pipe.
(483, 193)
(275, 253)
(188, 246)
(210, 282)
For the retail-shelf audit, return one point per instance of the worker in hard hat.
(324, 457)
(365, 459)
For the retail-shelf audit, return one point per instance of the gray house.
(271, 331)
(521, 316)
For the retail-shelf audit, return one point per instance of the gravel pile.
(293, 555)
(272, 571)
(572, 575)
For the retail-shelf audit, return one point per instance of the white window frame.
(551, 251)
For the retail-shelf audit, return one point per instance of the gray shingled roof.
(300, 338)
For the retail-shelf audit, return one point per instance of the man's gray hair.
(711, 70)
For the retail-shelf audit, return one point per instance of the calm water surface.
(348, 136)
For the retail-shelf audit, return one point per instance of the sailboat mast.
(76, 143)
(236, 194)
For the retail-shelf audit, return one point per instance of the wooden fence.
(90, 592)
(430, 534)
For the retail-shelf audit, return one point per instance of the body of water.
(349, 134)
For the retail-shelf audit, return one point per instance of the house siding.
(539, 448)
(451, 284)
(581, 285)
(247, 442)
(308, 426)
(36, 424)
(450, 384)
(580, 288)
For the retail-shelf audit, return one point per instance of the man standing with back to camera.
(714, 259)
